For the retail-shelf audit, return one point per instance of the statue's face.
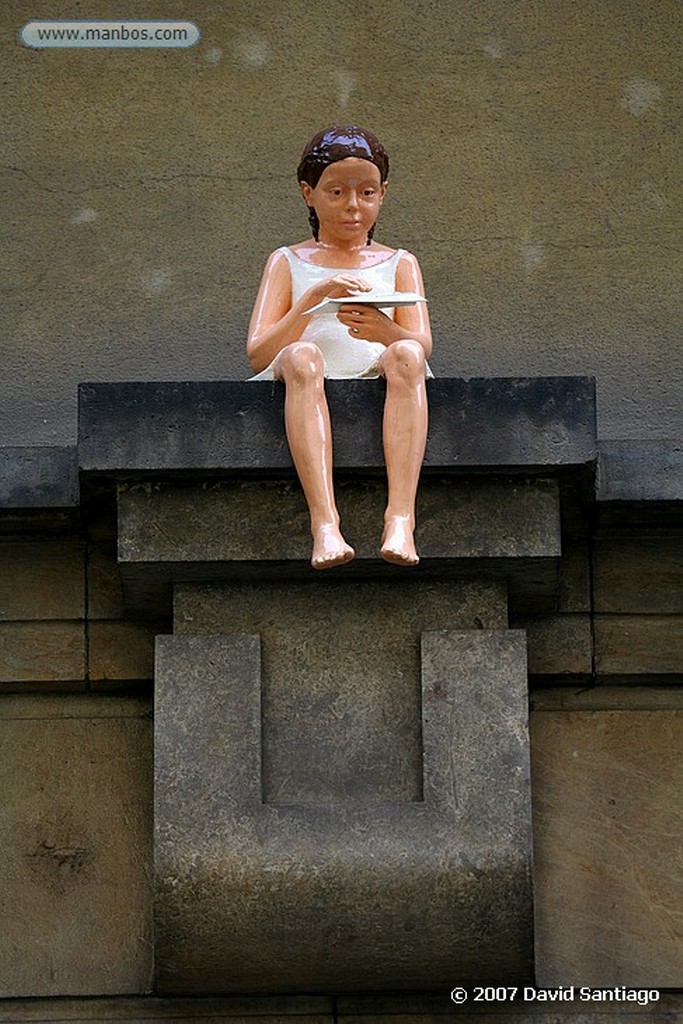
(347, 199)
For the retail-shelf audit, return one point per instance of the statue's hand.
(336, 288)
(369, 323)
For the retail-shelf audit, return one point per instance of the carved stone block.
(258, 890)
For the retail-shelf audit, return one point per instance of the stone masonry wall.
(606, 755)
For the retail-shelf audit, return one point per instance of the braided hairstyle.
(337, 143)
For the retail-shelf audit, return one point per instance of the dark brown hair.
(337, 143)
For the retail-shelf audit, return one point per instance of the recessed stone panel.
(559, 645)
(341, 668)
(120, 650)
(639, 572)
(574, 583)
(105, 597)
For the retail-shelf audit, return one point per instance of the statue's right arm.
(275, 322)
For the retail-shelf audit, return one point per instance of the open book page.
(376, 299)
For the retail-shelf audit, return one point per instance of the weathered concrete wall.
(534, 173)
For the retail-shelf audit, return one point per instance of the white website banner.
(44, 34)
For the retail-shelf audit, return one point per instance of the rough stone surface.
(558, 645)
(213, 426)
(501, 529)
(267, 521)
(328, 895)
(608, 881)
(75, 830)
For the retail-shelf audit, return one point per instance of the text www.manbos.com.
(40, 34)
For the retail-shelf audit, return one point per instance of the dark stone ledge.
(640, 483)
(38, 478)
(531, 424)
(640, 471)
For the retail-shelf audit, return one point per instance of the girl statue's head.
(337, 143)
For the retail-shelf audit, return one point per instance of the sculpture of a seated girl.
(343, 178)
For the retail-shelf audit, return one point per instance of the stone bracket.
(331, 897)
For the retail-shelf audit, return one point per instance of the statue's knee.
(404, 359)
(301, 363)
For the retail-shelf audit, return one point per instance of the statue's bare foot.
(330, 548)
(398, 544)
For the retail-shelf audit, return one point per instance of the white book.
(367, 299)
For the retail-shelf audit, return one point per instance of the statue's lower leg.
(307, 423)
(405, 437)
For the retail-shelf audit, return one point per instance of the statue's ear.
(383, 191)
(307, 192)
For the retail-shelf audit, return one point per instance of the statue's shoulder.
(407, 261)
(279, 255)
(278, 261)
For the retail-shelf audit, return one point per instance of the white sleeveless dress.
(344, 355)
